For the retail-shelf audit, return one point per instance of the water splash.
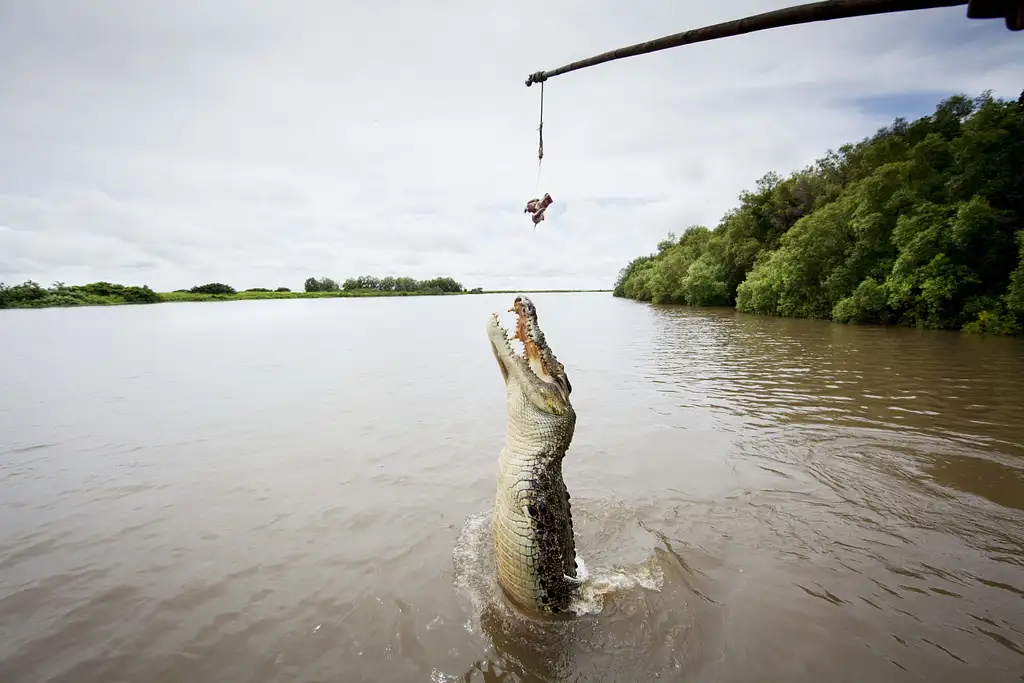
(642, 606)
(611, 581)
(475, 573)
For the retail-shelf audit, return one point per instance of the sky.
(261, 143)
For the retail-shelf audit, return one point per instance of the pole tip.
(537, 77)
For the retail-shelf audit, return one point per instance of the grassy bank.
(244, 296)
(172, 297)
(31, 295)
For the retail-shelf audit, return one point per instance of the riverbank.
(918, 225)
(244, 296)
(31, 295)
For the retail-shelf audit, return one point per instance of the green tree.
(324, 284)
(918, 224)
(213, 288)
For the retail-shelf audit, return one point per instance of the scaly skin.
(533, 535)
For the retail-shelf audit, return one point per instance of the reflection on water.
(889, 460)
(767, 371)
(251, 492)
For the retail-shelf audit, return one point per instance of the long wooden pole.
(799, 14)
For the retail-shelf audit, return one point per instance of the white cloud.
(178, 143)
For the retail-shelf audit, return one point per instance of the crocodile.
(534, 545)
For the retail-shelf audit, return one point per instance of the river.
(299, 490)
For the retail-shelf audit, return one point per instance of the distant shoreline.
(119, 298)
(175, 297)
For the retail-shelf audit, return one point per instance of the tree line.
(921, 224)
(437, 285)
(221, 288)
(31, 294)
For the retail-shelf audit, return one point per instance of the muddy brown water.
(299, 491)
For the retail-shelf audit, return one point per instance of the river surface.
(298, 491)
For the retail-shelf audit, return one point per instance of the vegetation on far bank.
(366, 285)
(343, 293)
(32, 295)
(249, 294)
(921, 224)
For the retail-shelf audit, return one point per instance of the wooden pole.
(789, 16)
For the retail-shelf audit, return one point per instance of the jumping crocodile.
(534, 546)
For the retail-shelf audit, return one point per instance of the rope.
(540, 134)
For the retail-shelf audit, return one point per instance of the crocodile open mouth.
(536, 355)
(535, 349)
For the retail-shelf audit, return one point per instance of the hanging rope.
(537, 206)
(540, 147)
(540, 128)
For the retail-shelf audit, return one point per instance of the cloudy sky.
(259, 143)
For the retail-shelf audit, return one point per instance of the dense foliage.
(31, 295)
(921, 224)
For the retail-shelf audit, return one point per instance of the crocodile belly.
(533, 539)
